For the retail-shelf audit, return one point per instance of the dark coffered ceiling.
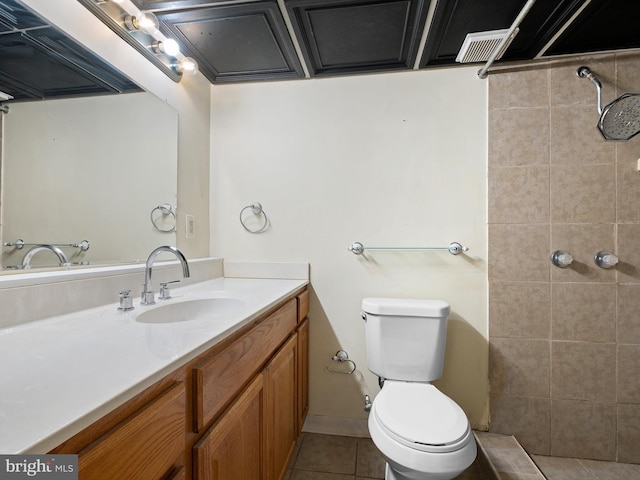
(241, 40)
(284, 39)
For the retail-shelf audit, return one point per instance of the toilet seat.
(421, 417)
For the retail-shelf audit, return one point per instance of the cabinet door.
(232, 448)
(302, 364)
(280, 410)
(145, 446)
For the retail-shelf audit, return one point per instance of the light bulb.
(147, 22)
(188, 66)
(170, 47)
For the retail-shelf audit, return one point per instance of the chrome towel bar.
(454, 248)
(19, 244)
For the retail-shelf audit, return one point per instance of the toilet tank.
(405, 338)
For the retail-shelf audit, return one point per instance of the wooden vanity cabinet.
(234, 446)
(255, 437)
(234, 412)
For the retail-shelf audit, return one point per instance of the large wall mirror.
(88, 168)
(87, 158)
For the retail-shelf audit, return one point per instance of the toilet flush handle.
(364, 316)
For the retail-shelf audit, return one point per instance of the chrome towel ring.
(165, 210)
(256, 209)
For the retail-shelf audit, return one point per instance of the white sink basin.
(186, 310)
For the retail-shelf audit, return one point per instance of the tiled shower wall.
(564, 343)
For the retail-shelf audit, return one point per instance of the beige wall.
(388, 160)
(564, 343)
(190, 98)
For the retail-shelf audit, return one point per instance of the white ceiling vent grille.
(478, 46)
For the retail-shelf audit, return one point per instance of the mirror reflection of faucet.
(26, 260)
(148, 297)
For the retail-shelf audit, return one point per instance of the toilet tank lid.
(411, 307)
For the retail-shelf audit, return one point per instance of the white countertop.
(59, 375)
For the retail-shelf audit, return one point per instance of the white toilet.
(421, 432)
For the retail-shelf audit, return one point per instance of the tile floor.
(557, 468)
(330, 457)
(511, 462)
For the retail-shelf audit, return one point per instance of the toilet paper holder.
(342, 356)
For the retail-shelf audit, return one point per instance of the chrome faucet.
(26, 260)
(148, 297)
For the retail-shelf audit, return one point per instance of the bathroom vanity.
(194, 402)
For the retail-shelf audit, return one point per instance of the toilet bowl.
(422, 433)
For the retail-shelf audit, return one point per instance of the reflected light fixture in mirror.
(141, 30)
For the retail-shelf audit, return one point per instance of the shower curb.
(503, 458)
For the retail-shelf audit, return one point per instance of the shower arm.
(585, 72)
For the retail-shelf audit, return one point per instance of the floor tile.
(329, 457)
(558, 468)
(327, 454)
(474, 472)
(519, 476)
(370, 462)
(306, 475)
(611, 471)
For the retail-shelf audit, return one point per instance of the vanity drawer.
(217, 380)
(303, 305)
(144, 446)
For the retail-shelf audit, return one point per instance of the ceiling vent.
(478, 46)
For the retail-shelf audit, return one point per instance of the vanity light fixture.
(141, 30)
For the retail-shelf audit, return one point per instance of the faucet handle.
(126, 301)
(165, 293)
(147, 297)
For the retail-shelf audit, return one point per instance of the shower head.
(620, 120)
